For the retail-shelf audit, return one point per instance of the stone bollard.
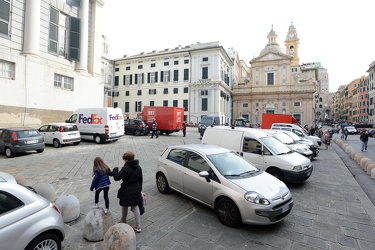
(46, 190)
(373, 173)
(351, 152)
(119, 237)
(370, 169)
(368, 164)
(363, 162)
(358, 157)
(96, 224)
(69, 207)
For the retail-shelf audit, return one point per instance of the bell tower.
(291, 44)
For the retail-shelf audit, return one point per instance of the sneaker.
(137, 229)
(96, 205)
(106, 210)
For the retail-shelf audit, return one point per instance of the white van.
(263, 150)
(298, 131)
(99, 124)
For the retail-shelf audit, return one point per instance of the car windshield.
(230, 164)
(294, 136)
(283, 138)
(276, 146)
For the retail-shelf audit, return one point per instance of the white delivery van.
(298, 131)
(99, 124)
(263, 150)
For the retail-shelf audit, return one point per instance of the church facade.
(277, 83)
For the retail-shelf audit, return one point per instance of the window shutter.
(4, 17)
(53, 30)
(143, 77)
(131, 79)
(136, 79)
(156, 76)
(161, 76)
(124, 80)
(148, 77)
(74, 32)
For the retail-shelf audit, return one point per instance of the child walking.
(101, 182)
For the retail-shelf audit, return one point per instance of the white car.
(59, 134)
(222, 180)
(27, 220)
(303, 149)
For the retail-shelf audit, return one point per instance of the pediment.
(271, 57)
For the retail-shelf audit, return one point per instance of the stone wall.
(11, 116)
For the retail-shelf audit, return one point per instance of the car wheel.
(45, 241)
(76, 143)
(162, 183)
(9, 153)
(97, 139)
(137, 132)
(228, 213)
(56, 143)
(277, 173)
(40, 150)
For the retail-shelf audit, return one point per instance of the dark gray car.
(20, 140)
(136, 127)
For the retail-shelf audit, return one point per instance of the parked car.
(298, 139)
(222, 180)
(351, 130)
(19, 140)
(60, 133)
(28, 221)
(335, 130)
(371, 133)
(136, 127)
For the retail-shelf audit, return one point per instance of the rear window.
(27, 133)
(68, 128)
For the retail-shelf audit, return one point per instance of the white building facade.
(50, 59)
(196, 77)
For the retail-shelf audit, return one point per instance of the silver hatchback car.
(219, 178)
(27, 220)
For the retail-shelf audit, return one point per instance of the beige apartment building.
(277, 83)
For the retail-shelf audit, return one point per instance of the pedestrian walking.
(184, 129)
(320, 133)
(154, 129)
(131, 188)
(327, 138)
(101, 182)
(364, 139)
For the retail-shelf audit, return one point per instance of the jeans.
(106, 200)
(364, 145)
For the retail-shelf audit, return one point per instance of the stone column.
(84, 35)
(32, 27)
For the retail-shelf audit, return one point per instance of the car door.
(2, 142)
(252, 150)
(174, 166)
(44, 130)
(195, 186)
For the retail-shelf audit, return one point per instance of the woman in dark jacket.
(131, 187)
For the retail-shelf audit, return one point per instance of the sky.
(338, 34)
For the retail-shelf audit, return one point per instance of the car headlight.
(256, 198)
(297, 168)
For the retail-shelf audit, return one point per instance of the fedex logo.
(93, 119)
(115, 117)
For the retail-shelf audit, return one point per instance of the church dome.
(272, 45)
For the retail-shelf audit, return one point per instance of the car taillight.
(14, 136)
(141, 125)
(62, 129)
(106, 129)
(55, 207)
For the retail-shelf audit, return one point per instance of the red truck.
(268, 119)
(169, 119)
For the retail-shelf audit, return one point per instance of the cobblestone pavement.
(331, 210)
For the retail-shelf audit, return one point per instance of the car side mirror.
(205, 175)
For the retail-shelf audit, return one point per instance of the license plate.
(31, 142)
(113, 134)
(73, 134)
(285, 208)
